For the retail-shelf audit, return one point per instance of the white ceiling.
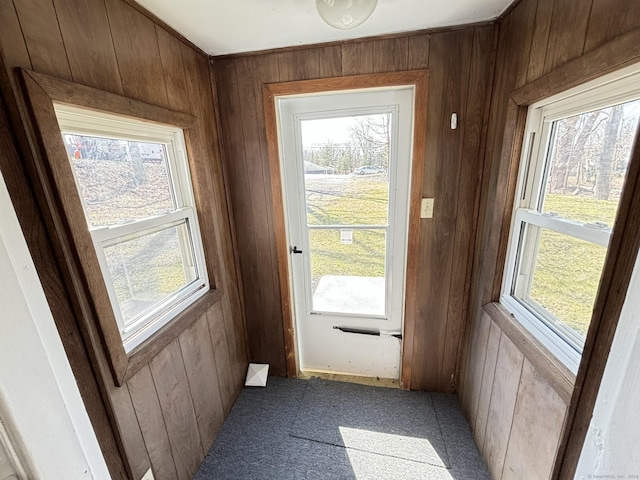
(231, 26)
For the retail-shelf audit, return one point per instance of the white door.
(346, 162)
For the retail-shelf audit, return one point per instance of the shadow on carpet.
(318, 429)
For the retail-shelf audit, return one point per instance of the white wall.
(612, 446)
(40, 404)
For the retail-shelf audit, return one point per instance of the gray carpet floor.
(318, 429)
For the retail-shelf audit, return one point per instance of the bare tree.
(605, 163)
(371, 137)
(573, 138)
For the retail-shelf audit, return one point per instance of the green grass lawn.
(568, 270)
(347, 200)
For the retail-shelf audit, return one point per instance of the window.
(133, 180)
(575, 158)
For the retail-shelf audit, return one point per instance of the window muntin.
(134, 183)
(572, 173)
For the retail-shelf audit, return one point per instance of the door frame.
(271, 91)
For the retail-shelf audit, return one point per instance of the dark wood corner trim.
(417, 78)
(561, 379)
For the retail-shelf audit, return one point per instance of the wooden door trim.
(416, 78)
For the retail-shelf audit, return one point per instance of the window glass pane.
(346, 165)
(348, 270)
(588, 159)
(148, 267)
(119, 180)
(564, 277)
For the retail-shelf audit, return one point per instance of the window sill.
(143, 353)
(561, 379)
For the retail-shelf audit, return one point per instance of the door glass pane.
(120, 181)
(148, 267)
(588, 159)
(346, 165)
(348, 270)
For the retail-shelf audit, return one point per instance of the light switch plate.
(426, 208)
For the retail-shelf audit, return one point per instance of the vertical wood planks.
(537, 425)
(87, 39)
(266, 70)
(152, 424)
(419, 52)
(390, 55)
(486, 385)
(214, 210)
(449, 64)
(503, 398)
(511, 70)
(251, 73)
(243, 206)
(357, 58)
(202, 375)
(469, 179)
(226, 380)
(609, 19)
(130, 433)
(174, 72)
(567, 33)
(519, 50)
(136, 45)
(42, 37)
(299, 65)
(14, 47)
(330, 59)
(475, 372)
(515, 414)
(540, 39)
(172, 386)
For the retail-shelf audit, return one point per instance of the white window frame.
(618, 87)
(81, 121)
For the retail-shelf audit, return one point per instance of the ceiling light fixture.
(345, 14)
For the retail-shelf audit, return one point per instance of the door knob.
(294, 249)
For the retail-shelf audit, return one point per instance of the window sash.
(616, 88)
(522, 278)
(106, 235)
(579, 230)
(78, 121)
(560, 339)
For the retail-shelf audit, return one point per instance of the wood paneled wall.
(515, 407)
(460, 64)
(167, 415)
